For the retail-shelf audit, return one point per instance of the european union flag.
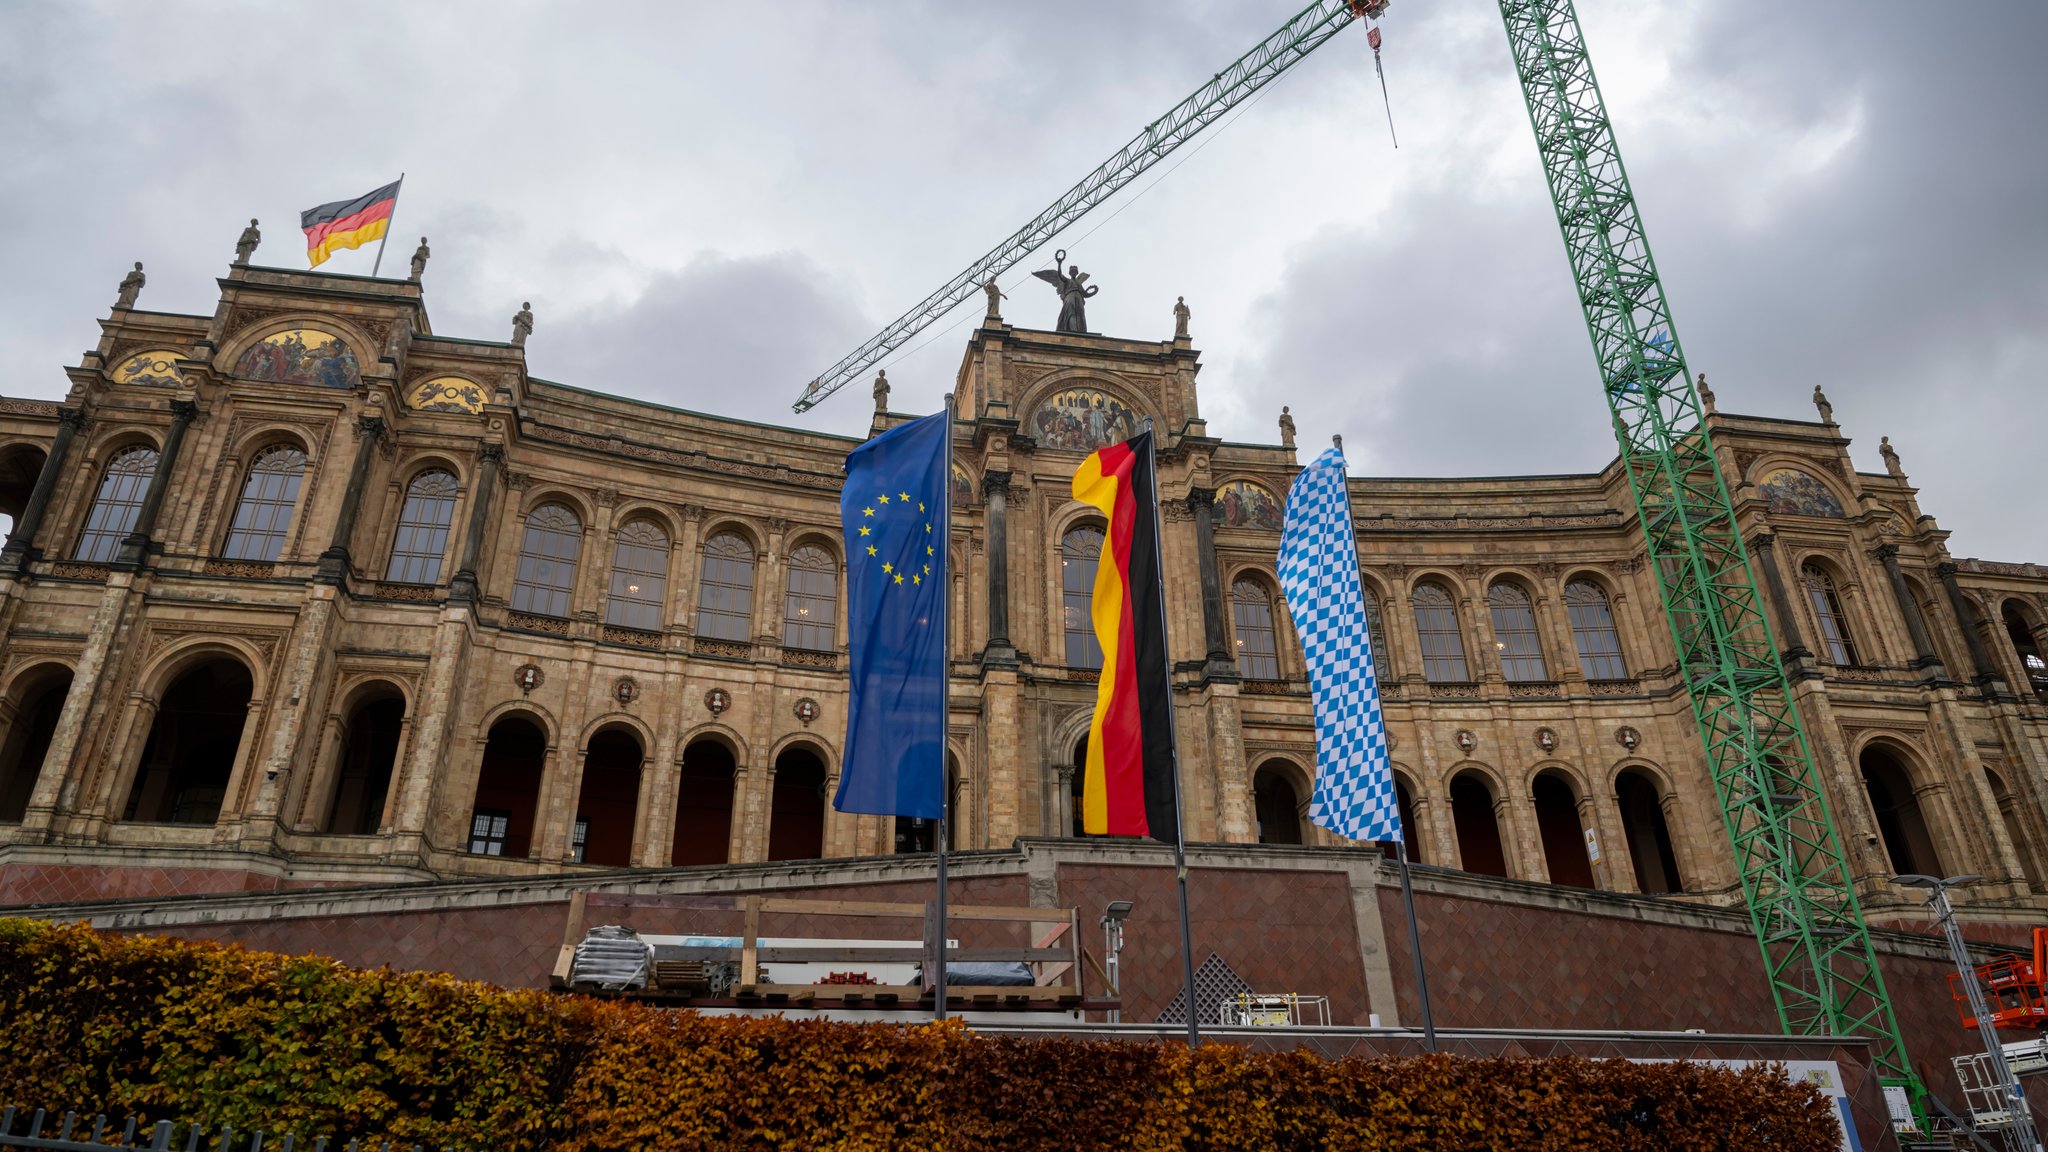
(893, 510)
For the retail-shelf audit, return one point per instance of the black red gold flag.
(347, 223)
(1127, 785)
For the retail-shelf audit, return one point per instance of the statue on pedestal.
(522, 324)
(1286, 428)
(1074, 293)
(995, 299)
(1180, 317)
(245, 246)
(419, 259)
(1891, 457)
(131, 287)
(1820, 401)
(881, 390)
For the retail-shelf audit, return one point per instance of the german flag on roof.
(347, 223)
(1127, 783)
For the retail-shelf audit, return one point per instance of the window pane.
(1443, 646)
(422, 537)
(546, 575)
(1078, 553)
(639, 577)
(117, 504)
(1593, 632)
(1827, 612)
(1514, 634)
(263, 516)
(1258, 656)
(725, 600)
(811, 606)
(487, 832)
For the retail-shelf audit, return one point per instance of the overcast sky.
(708, 205)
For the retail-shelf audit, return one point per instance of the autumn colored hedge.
(157, 1028)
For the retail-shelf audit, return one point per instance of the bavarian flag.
(1127, 785)
(347, 223)
(894, 513)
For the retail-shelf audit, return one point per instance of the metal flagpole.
(945, 704)
(1180, 853)
(1401, 853)
(386, 239)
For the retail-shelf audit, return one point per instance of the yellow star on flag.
(867, 511)
(888, 567)
(917, 579)
(885, 497)
(863, 529)
(905, 497)
(871, 549)
(928, 550)
(899, 577)
(920, 505)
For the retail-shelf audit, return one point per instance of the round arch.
(410, 467)
(26, 676)
(185, 652)
(1281, 791)
(631, 510)
(734, 526)
(37, 693)
(624, 720)
(352, 336)
(252, 441)
(206, 695)
(569, 498)
(1059, 380)
(526, 709)
(1641, 790)
(373, 710)
(719, 733)
(1475, 794)
(1557, 793)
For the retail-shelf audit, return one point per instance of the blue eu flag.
(894, 513)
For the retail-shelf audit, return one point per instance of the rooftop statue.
(1073, 292)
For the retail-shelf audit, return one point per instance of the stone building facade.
(303, 593)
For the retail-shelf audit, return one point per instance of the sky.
(709, 205)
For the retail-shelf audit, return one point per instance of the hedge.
(167, 1029)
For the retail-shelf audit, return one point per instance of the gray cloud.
(708, 205)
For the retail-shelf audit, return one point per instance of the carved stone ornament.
(528, 677)
(717, 700)
(1465, 740)
(806, 710)
(626, 690)
(1546, 739)
(1627, 737)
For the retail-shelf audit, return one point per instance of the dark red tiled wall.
(66, 883)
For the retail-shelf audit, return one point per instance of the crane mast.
(1795, 878)
(1287, 46)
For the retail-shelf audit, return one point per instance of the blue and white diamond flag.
(1319, 573)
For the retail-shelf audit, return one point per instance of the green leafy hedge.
(165, 1029)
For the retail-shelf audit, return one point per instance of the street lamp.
(1113, 919)
(2021, 1135)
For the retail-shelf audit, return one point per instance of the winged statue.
(1074, 291)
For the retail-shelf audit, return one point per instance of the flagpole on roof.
(945, 706)
(1180, 852)
(379, 262)
(1400, 847)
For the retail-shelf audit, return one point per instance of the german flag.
(1127, 784)
(347, 223)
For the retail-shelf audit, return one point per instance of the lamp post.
(2020, 1134)
(1113, 919)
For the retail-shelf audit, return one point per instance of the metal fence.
(163, 1136)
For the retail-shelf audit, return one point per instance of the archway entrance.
(1564, 837)
(796, 822)
(1411, 829)
(19, 467)
(2015, 828)
(1900, 823)
(1479, 844)
(508, 789)
(369, 752)
(1277, 807)
(1649, 838)
(37, 708)
(183, 776)
(703, 805)
(609, 802)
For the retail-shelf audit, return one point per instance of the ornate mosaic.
(1243, 504)
(963, 487)
(1799, 494)
(1083, 419)
(446, 394)
(157, 366)
(300, 356)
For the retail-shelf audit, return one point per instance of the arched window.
(2022, 637)
(422, 538)
(1251, 610)
(1376, 628)
(725, 600)
(1900, 822)
(37, 710)
(263, 516)
(502, 818)
(1564, 837)
(703, 805)
(1827, 613)
(1593, 632)
(1515, 635)
(1436, 626)
(639, 577)
(116, 505)
(1649, 837)
(1472, 816)
(1079, 550)
(608, 804)
(1276, 806)
(796, 810)
(193, 742)
(547, 561)
(810, 611)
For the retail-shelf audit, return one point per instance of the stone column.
(334, 562)
(136, 545)
(1923, 645)
(463, 589)
(1217, 662)
(995, 486)
(20, 544)
(1798, 659)
(1986, 673)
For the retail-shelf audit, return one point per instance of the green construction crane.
(1795, 879)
